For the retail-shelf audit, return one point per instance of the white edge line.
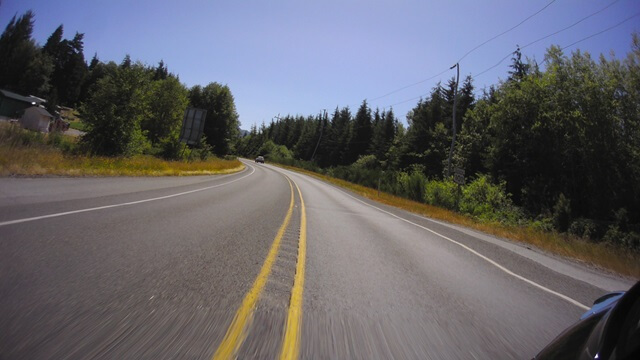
(530, 282)
(18, 221)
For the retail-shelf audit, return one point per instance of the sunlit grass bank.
(24, 153)
(601, 255)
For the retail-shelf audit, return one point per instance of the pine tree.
(94, 62)
(23, 67)
(69, 67)
(519, 68)
(126, 62)
(362, 132)
(161, 71)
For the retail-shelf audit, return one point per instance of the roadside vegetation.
(604, 255)
(28, 153)
(125, 109)
(131, 113)
(75, 122)
(551, 154)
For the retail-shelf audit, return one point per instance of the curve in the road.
(18, 221)
(292, 335)
(492, 262)
(237, 331)
(239, 327)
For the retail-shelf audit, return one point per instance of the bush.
(170, 149)
(202, 150)
(367, 162)
(584, 228)
(442, 193)
(271, 151)
(542, 224)
(629, 240)
(488, 201)
(412, 185)
(561, 213)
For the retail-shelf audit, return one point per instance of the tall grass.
(27, 153)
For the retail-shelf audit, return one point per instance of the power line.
(402, 102)
(583, 39)
(465, 55)
(494, 66)
(506, 31)
(603, 31)
(570, 26)
(511, 53)
(411, 85)
(563, 48)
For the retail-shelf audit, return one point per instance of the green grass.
(600, 255)
(78, 125)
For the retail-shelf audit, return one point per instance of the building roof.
(41, 111)
(27, 99)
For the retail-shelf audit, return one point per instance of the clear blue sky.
(300, 57)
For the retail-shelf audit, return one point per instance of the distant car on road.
(609, 330)
(260, 159)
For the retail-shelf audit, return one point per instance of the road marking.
(292, 335)
(11, 222)
(237, 332)
(507, 271)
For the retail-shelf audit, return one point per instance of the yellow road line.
(237, 332)
(293, 333)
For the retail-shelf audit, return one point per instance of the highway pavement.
(266, 263)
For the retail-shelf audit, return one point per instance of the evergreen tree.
(362, 133)
(94, 62)
(23, 67)
(222, 126)
(69, 67)
(53, 45)
(161, 71)
(428, 138)
(309, 136)
(126, 62)
(384, 134)
(339, 139)
(519, 68)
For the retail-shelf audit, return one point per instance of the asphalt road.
(249, 264)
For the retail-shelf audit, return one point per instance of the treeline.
(557, 148)
(128, 108)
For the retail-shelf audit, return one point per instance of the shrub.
(485, 200)
(561, 213)
(629, 240)
(543, 224)
(367, 162)
(412, 185)
(442, 193)
(202, 150)
(584, 228)
(271, 151)
(170, 149)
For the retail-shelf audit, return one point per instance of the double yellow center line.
(237, 332)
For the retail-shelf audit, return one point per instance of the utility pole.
(324, 115)
(455, 102)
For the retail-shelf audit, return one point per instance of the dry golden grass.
(49, 161)
(596, 254)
